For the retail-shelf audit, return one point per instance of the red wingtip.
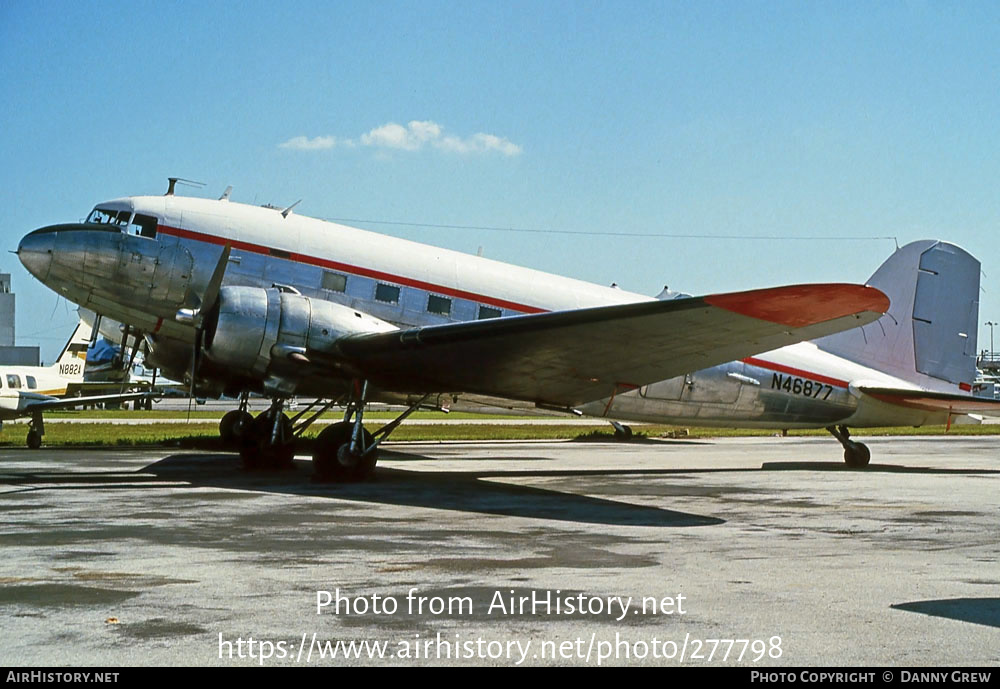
(801, 305)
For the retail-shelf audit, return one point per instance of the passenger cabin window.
(489, 312)
(13, 382)
(335, 282)
(32, 385)
(387, 293)
(439, 305)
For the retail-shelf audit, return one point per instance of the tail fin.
(73, 359)
(930, 329)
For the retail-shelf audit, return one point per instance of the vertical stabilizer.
(73, 359)
(930, 329)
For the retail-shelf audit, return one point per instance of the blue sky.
(805, 122)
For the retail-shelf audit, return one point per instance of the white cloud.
(302, 143)
(415, 136)
(479, 143)
(412, 137)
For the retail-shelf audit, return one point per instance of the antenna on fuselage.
(172, 182)
(226, 193)
(288, 210)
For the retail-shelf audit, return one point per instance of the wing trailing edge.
(566, 358)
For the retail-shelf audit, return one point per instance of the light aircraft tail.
(73, 358)
(929, 333)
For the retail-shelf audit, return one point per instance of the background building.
(10, 354)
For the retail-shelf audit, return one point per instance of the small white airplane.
(236, 299)
(33, 390)
(914, 366)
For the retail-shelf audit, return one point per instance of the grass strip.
(206, 435)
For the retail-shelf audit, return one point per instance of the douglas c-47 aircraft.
(913, 366)
(235, 299)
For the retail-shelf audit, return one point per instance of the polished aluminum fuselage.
(144, 281)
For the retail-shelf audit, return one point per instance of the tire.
(34, 440)
(256, 450)
(624, 435)
(857, 455)
(233, 424)
(332, 459)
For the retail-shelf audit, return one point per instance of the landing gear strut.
(268, 441)
(346, 451)
(36, 429)
(856, 455)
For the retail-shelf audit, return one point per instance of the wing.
(70, 402)
(565, 358)
(934, 401)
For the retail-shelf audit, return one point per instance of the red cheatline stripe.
(353, 270)
(835, 382)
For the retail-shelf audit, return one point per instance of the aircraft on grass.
(233, 299)
(914, 366)
(33, 390)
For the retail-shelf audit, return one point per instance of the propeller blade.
(214, 285)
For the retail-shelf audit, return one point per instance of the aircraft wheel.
(280, 456)
(233, 424)
(34, 440)
(624, 433)
(333, 459)
(857, 455)
(256, 449)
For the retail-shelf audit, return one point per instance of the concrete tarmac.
(760, 552)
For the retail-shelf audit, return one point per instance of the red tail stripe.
(835, 382)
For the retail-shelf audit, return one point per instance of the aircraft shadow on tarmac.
(466, 491)
(871, 468)
(976, 610)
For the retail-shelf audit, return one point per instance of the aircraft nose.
(35, 252)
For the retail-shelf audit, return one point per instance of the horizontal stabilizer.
(934, 401)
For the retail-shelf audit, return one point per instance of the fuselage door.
(173, 274)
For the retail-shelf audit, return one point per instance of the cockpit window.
(143, 225)
(109, 217)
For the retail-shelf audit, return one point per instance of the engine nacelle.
(252, 320)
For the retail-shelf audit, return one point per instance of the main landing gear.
(268, 441)
(346, 451)
(343, 452)
(36, 429)
(235, 423)
(856, 455)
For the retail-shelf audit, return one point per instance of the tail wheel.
(857, 455)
